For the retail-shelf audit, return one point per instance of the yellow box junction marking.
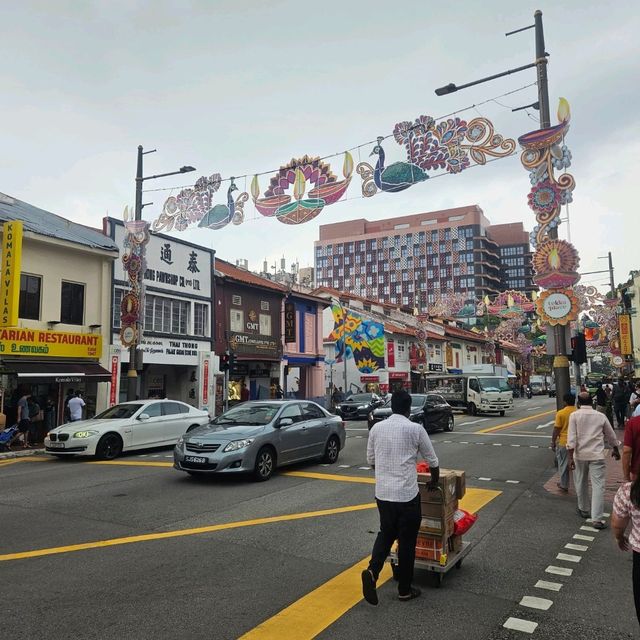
(506, 425)
(5, 463)
(313, 613)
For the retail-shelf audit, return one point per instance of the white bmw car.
(140, 424)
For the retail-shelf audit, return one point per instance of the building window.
(165, 315)
(237, 320)
(118, 294)
(264, 305)
(237, 300)
(29, 307)
(265, 324)
(72, 303)
(200, 319)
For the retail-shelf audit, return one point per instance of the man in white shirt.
(75, 407)
(588, 432)
(393, 448)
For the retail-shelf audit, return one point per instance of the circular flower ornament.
(557, 307)
(545, 197)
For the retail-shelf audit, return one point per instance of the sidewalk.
(20, 453)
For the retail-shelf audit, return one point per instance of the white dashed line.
(512, 481)
(559, 571)
(606, 515)
(586, 528)
(344, 466)
(549, 586)
(462, 424)
(485, 479)
(365, 468)
(463, 442)
(579, 536)
(325, 465)
(536, 603)
(497, 444)
(566, 557)
(533, 408)
(517, 624)
(156, 456)
(359, 437)
(515, 445)
(446, 441)
(354, 429)
(576, 547)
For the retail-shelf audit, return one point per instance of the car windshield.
(119, 412)
(249, 414)
(360, 397)
(494, 384)
(417, 400)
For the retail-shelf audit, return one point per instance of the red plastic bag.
(463, 521)
(422, 467)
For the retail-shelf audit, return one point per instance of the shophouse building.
(411, 260)
(58, 340)
(248, 324)
(177, 336)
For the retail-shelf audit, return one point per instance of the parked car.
(537, 388)
(258, 436)
(141, 424)
(552, 390)
(359, 406)
(431, 410)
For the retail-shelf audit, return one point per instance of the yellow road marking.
(314, 612)
(506, 425)
(182, 532)
(329, 476)
(309, 616)
(132, 463)
(5, 463)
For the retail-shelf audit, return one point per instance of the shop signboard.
(289, 322)
(366, 379)
(169, 351)
(624, 325)
(10, 276)
(114, 363)
(435, 367)
(52, 344)
(391, 354)
(257, 345)
(206, 396)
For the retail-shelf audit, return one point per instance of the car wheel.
(472, 410)
(332, 451)
(450, 424)
(109, 446)
(502, 414)
(265, 464)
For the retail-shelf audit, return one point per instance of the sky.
(242, 87)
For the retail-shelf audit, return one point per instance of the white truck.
(485, 390)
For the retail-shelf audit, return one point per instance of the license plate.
(56, 445)
(195, 459)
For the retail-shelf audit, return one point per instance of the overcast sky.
(242, 87)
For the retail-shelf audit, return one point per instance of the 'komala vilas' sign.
(59, 344)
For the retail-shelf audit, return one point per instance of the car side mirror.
(143, 416)
(285, 422)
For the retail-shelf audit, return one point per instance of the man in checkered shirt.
(393, 448)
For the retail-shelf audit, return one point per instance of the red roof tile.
(463, 334)
(246, 277)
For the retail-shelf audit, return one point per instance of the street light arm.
(171, 173)
(452, 88)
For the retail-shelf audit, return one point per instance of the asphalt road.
(134, 549)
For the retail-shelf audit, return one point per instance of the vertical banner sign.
(114, 363)
(205, 369)
(289, 322)
(624, 325)
(11, 264)
(205, 381)
(391, 354)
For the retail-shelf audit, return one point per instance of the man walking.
(75, 407)
(621, 397)
(559, 440)
(393, 448)
(588, 432)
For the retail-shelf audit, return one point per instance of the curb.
(20, 454)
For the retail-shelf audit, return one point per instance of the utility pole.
(611, 280)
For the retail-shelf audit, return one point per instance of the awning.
(90, 371)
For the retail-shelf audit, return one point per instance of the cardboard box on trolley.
(447, 488)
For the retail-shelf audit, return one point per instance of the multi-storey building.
(516, 270)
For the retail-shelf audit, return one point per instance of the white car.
(140, 424)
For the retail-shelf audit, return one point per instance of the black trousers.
(398, 521)
(621, 414)
(636, 582)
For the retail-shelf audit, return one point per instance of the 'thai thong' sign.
(55, 344)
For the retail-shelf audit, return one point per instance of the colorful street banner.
(624, 325)
(53, 344)
(11, 266)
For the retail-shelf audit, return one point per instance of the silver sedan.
(258, 436)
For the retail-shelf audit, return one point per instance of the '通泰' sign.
(11, 263)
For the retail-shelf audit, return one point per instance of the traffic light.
(224, 361)
(232, 361)
(578, 349)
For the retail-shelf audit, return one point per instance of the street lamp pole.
(132, 373)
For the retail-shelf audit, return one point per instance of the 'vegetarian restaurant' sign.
(54, 344)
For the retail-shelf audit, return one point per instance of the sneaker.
(583, 514)
(563, 489)
(369, 587)
(598, 524)
(414, 593)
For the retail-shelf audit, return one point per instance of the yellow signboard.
(55, 344)
(624, 324)
(10, 283)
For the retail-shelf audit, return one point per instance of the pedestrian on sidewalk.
(601, 398)
(620, 402)
(76, 405)
(393, 448)
(631, 449)
(559, 440)
(589, 430)
(626, 510)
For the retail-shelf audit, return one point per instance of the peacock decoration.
(221, 215)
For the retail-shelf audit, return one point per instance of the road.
(135, 549)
